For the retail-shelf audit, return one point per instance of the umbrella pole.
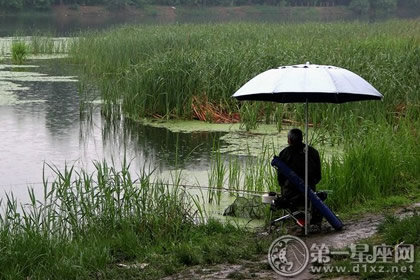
(306, 168)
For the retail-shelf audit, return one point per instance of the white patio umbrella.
(307, 83)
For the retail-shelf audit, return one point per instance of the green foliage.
(74, 7)
(41, 44)
(375, 8)
(382, 8)
(19, 52)
(378, 162)
(87, 224)
(160, 69)
(117, 4)
(120, 4)
(360, 7)
(409, 3)
(42, 4)
(249, 115)
(12, 4)
(393, 231)
(396, 231)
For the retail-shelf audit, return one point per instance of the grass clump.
(394, 232)
(85, 225)
(19, 52)
(401, 231)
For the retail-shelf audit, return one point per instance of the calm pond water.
(41, 121)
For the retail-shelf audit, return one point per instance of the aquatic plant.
(42, 44)
(19, 52)
(216, 174)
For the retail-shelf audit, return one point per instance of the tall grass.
(48, 44)
(252, 174)
(107, 200)
(85, 220)
(84, 225)
(376, 162)
(159, 69)
(42, 44)
(380, 161)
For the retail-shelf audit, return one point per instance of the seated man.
(294, 157)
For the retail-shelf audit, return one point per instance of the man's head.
(295, 136)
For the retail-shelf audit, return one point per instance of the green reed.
(254, 174)
(378, 162)
(375, 162)
(234, 174)
(78, 206)
(83, 225)
(216, 174)
(158, 69)
(42, 44)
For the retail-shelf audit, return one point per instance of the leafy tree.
(11, 4)
(41, 4)
(381, 8)
(415, 4)
(375, 8)
(360, 7)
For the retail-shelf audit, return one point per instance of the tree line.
(358, 6)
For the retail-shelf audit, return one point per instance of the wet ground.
(353, 231)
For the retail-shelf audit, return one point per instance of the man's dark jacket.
(294, 157)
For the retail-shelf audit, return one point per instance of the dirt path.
(353, 231)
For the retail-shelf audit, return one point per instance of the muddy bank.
(353, 231)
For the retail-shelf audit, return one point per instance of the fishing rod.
(248, 192)
(186, 186)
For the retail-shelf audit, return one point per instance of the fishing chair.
(296, 212)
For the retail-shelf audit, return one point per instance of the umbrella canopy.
(307, 83)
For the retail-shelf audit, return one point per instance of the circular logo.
(288, 255)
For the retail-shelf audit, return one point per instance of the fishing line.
(186, 186)
(249, 192)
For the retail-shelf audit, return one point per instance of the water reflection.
(46, 124)
(160, 146)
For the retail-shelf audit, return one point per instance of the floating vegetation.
(13, 66)
(11, 77)
(16, 73)
(246, 144)
(7, 87)
(19, 76)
